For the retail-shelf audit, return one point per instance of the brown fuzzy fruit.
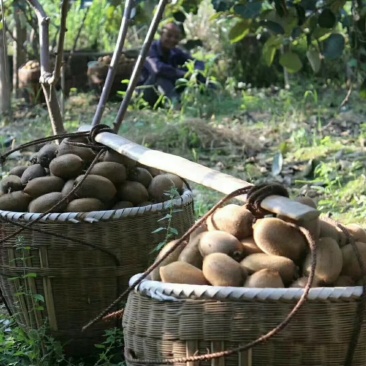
(67, 188)
(161, 186)
(115, 157)
(18, 170)
(329, 230)
(11, 183)
(221, 270)
(44, 203)
(306, 201)
(201, 229)
(46, 154)
(43, 185)
(191, 254)
(181, 272)
(357, 232)
(122, 204)
(234, 219)
(33, 171)
(85, 153)
(172, 257)
(220, 242)
(133, 192)
(67, 166)
(265, 278)
(329, 261)
(344, 281)
(95, 186)
(275, 236)
(85, 205)
(351, 265)
(17, 201)
(302, 281)
(250, 247)
(141, 175)
(284, 266)
(115, 172)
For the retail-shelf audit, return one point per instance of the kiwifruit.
(67, 188)
(67, 166)
(44, 203)
(285, 266)
(172, 257)
(115, 172)
(11, 183)
(42, 185)
(250, 247)
(85, 153)
(357, 232)
(181, 272)
(33, 171)
(306, 201)
(134, 192)
(220, 242)
(221, 270)
(161, 186)
(122, 204)
(146, 203)
(153, 171)
(18, 170)
(330, 230)
(312, 225)
(201, 229)
(265, 278)
(234, 219)
(46, 154)
(344, 281)
(95, 186)
(16, 201)
(191, 254)
(277, 237)
(115, 157)
(302, 281)
(85, 205)
(351, 266)
(329, 261)
(139, 174)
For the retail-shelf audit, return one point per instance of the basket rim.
(180, 292)
(96, 216)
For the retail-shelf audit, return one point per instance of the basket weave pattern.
(77, 281)
(179, 326)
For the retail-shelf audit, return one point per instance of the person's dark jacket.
(171, 66)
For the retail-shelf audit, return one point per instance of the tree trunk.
(5, 91)
(19, 56)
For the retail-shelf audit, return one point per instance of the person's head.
(170, 36)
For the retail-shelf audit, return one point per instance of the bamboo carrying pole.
(200, 174)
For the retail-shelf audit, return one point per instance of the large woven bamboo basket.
(164, 320)
(77, 281)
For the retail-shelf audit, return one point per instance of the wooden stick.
(200, 174)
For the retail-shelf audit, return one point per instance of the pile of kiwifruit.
(122, 60)
(114, 182)
(233, 249)
(31, 65)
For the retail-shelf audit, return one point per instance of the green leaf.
(158, 230)
(272, 26)
(334, 46)
(270, 49)
(249, 10)
(38, 297)
(179, 16)
(30, 275)
(313, 56)
(239, 31)
(327, 19)
(291, 61)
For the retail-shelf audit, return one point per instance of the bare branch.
(61, 40)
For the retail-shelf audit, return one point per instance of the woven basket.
(169, 321)
(78, 281)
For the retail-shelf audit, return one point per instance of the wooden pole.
(200, 174)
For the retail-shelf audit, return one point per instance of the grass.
(245, 134)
